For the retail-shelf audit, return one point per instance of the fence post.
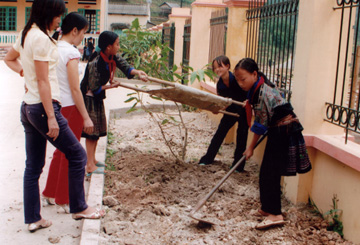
(237, 30)
(200, 32)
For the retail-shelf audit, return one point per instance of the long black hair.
(42, 14)
(73, 20)
(221, 60)
(250, 65)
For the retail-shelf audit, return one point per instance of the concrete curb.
(91, 228)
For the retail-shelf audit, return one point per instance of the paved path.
(12, 160)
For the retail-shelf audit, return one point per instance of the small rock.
(110, 201)
(54, 239)
(160, 210)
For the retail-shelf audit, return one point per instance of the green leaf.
(164, 121)
(193, 76)
(135, 24)
(155, 97)
(131, 94)
(131, 110)
(130, 99)
(201, 75)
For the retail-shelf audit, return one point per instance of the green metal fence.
(168, 38)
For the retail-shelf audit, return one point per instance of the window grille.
(218, 30)
(8, 18)
(344, 111)
(271, 36)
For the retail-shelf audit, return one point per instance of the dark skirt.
(286, 146)
(96, 111)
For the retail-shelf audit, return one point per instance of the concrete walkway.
(64, 230)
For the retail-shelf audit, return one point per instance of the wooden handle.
(157, 80)
(133, 88)
(229, 113)
(202, 201)
(238, 103)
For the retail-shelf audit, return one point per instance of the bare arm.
(73, 77)
(42, 75)
(11, 60)
(142, 75)
(250, 149)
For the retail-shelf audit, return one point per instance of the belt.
(286, 120)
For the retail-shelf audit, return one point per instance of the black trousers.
(272, 166)
(225, 125)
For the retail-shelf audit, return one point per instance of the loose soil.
(149, 196)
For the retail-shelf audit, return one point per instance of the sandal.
(97, 214)
(96, 171)
(266, 223)
(49, 200)
(100, 164)
(263, 213)
(39, 225)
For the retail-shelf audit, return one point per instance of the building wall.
(200, 32)
(71, 6)
(115, 18)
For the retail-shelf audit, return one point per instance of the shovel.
(202, 201)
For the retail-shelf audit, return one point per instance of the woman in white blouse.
(40, 113)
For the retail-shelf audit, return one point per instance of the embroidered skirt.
(96, 111)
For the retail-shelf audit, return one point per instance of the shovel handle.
(157, 80)
(202, 201)
(229, 113)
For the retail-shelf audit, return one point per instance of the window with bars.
(93, 17)
(28, 12)
(7, 18)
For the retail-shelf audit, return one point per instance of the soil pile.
(149, 196)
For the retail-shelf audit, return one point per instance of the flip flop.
(266, 223)
(100, 164)
(96, 171)
(36, 226)
(97, 214)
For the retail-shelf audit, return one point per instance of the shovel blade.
(201, 220)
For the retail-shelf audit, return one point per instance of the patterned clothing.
(275, 116)
(285, 151)
(267, 99)
(96, 75)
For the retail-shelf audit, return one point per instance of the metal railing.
(168, 37)
(343, 111)
(218, 30)
(8, 39)
(186, 45)
(272, 26)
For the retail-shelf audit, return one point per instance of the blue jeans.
(34, 120)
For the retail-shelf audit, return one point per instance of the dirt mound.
(149, 196)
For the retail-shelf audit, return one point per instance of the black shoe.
(204, 161)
